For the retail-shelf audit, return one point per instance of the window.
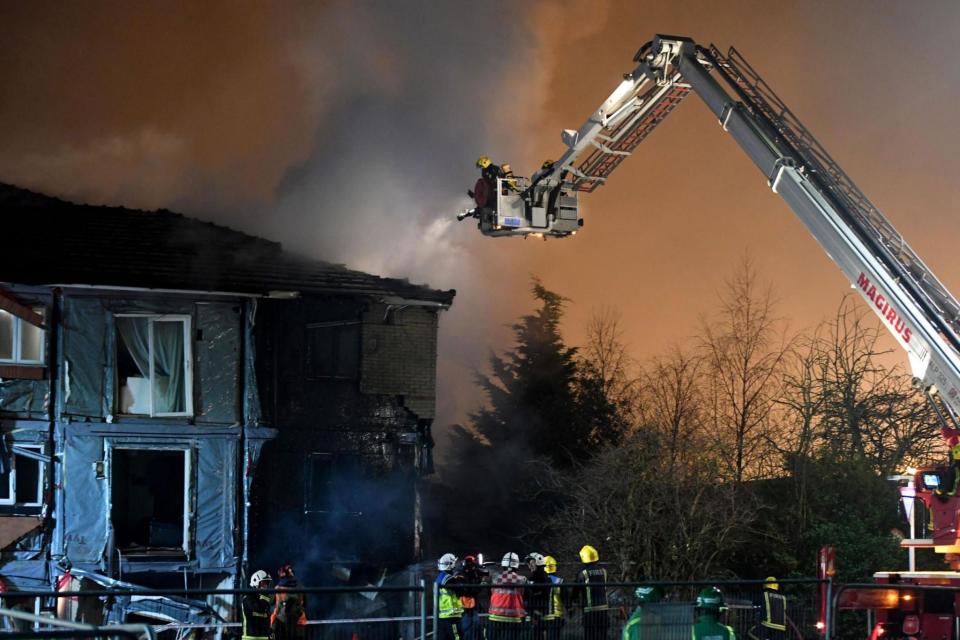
(333, 350)
(334, 483)
(23, 483)
(20, 341)
(149, 502)
(154, 372)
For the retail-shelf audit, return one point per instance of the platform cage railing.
(671, 617)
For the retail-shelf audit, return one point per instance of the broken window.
(20, 341)
(21, 483)
(154, 372)
(333, 483)
(149, 490)
(333, 350)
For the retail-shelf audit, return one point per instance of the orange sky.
(348, 130)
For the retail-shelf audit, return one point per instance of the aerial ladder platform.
(902, 291)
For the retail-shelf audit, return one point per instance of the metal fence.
(410, 613)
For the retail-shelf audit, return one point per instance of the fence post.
(423, 609)
(436, 610)
(828, 621)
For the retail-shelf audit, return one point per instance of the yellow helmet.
(546, 164)
(550, 564)
(588, 554)
(483, 162)
(770, 582)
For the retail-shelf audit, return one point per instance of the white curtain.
(168, 384)
(168, 373)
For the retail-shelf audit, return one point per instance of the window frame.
(188, 484)
(18, 323)
(11, 501)
(312, 372)
(187, 362)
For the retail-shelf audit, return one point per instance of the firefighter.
(950, 481)
(256, 608)
(708, 626)
(538, 595)
(593, 595)
(773, 613)
(507, 611)
(473, 575)
(289, 617)
(553, 621)
(449, 606)
(645, 620)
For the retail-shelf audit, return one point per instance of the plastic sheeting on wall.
(82, 515)
(26, 397)
(217, 488)
(218, 362)
(84, 328)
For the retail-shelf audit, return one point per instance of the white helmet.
(510, 560)
(538, 559)
(447, 562)
(258, 577)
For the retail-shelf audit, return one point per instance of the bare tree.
(870, 411)
(671, 399)
(744, 348)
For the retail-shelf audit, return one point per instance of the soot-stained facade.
(181, 399)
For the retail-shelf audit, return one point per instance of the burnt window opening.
(334, 483)
(333, 350)
(154, 372)
(21, 482)
(149, 489)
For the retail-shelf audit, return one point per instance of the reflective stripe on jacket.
(506, 605)
(448, 605)
(595, 587)
(555, 609)
(256, 616)
(774, 611)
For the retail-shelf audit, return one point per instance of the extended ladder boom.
(917, 309)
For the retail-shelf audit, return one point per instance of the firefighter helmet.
(483, 162)
(258, 578)
(770, 582)
(588, 554)
(646, 593)
(547, 164)
(550, 564)
(710, 600)
(510, 560)
(537, 559)
(447, 562)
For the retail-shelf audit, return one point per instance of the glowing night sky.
(348, 131)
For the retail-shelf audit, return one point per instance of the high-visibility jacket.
(448, 605)
(256, 616)
(555, 608)
(594, 580)
(774, 611)
(506, 605)
(707, 628)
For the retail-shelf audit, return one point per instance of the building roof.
(46, 241)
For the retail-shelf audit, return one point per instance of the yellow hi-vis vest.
(449, 604)
(555, 607)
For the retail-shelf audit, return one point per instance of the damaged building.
(181, 402)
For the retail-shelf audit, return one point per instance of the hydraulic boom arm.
(914, 306)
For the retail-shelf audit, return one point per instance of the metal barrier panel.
(572, 610)
(568, 610)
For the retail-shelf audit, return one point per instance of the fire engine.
(895, 283)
